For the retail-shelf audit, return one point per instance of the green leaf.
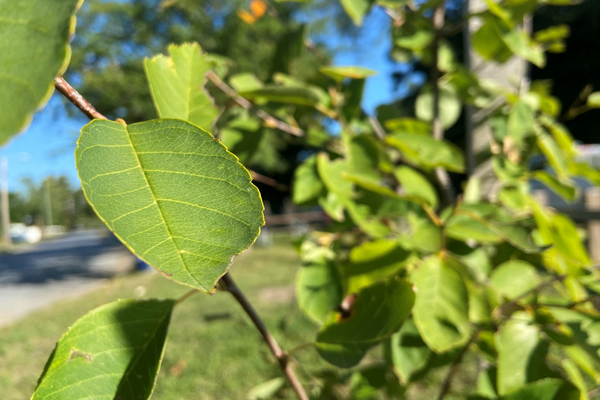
(553, 33)
(553, 154)
(307, 184)
(333, 206)
(174, 195)
(114, 351)
(418, 41)
(377, 313)
(35, 37)
(465, 227)
(513, 278)
(441, 311)
(339, 73)
(356, 9)
(450, 105)
(266, 390)
(567, 192)
(545, 389)
(302, 96)
(593, 100)
(319, 289)
(407, 351)
(427, 151)
(415, 184)
(331, 174)
(521, 123)
(521, 355)
(372, 262)
(408, 125)
(245, 82)
(353, 94)
(177, 85)
(488, 42)
(520, 44)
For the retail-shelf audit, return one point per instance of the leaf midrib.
(160, 211)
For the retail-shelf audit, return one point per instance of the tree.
(407, 266)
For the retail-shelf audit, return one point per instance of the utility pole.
(5, 206)
(48, 203)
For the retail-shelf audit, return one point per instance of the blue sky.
(47, 146)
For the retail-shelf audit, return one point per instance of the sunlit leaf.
(115, 352)
(35, 36)
(174, 195)
(415, 184)
(307, 184)
(372, 262)
(177, 85)
(427, 151)
(319, 289)
(593, 100)
(514, 278)
(449, 104)
(521, 355)
(281, 94)
(407, 351)
(378, 311)
(339, 73)
(441, 311)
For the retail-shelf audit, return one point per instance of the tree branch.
(500, 310)
(76, 98)
(447, 193)
(230, 286)
(267, 181)
(269, 119)
(445, 388)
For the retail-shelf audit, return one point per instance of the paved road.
(36, 275)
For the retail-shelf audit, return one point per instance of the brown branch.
(447, 193)
(230, 286)
(269, 119)
(500, 310)
(267, 181)
(445, 388)
(77, 99)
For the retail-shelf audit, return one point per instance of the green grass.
(213, 351)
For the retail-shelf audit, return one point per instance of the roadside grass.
(213, 351)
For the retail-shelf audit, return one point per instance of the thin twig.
(267, 181)
(445, 388)
(500, 310)
(379, 131)
(269, 119)
(282, 357)
(438, 131)
(77, 99)
(187, 295)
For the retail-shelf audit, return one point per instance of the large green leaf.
(339, 73)
(177, 85)
(513, 278)
(441, 311)
(357, 9)
(113, 352)
(373, 262)
(35, 36)
(174, 195)
(319, 289)
(521, 355)
(449, 104)
(302, 96)
(407, 351)
(545, 389)
(307, 184)
(416, 185)
(377, 313)
(427, 151)
(488, 42)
